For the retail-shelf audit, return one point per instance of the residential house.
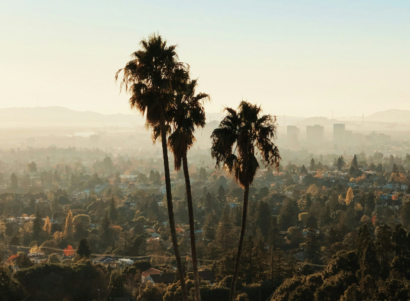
(123, 262)
(147, 275)
(37, 257)
(105, 261)
(156, 276)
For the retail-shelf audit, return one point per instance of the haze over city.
(204, 151)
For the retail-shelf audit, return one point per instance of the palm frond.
(250, 134)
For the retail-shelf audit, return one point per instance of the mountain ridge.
(61, 116)
(391, 115)
(56, 115)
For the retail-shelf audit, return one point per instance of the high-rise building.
(339, 131)
(348, 136)
(315, 134)
(293, 132)
(293, 135)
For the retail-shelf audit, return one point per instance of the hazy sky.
(302, 58)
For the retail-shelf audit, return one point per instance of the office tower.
(339, 131)
(293, 134)
(315, 134)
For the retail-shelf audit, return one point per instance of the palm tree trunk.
(191, 227)
(241, 240)
(171, 209)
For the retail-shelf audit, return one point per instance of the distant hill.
(316, 120)
(390, 116)
(59, 116)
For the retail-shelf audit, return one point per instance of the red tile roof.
(151, 271)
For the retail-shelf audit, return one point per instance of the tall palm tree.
(151, 77)
(242, 135)
(187, 113)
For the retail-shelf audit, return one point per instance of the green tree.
(312, 165)
(113, 210)
(399, 239)
(221, 194)
(117, 286)
(311, 222)
(10, 289)
(107, 165)
(354, 168)
(83, 219)
(369, 204)
(54, 281)
(107, 235)
(405, 215)
(263, 218)
(209, 230)
(37, 225)
(202, 174)
(209, 203)
(53, 258)
(151, 292)
(25, 182)
(152, 77)
(275, 239)
(22, 261)
(117, 179)
(80, 231)
(366, 253)
(83, 249)
(313, 247)
(288, 214)
(14, 182)
(384, 247)
(240, 136)
(354, 163)
(155, 177)
(224, 237)
(395, 169)
(242, 297)
(352, 293)
(340, 163)
(248, 268)
(32, 167)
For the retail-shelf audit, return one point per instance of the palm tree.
(240, 137)
(187, 113)
(152, 77)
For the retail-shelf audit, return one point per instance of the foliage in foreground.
(357, 275)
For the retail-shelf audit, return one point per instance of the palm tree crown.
(187, 113)
(152, 76)
(240, 136)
